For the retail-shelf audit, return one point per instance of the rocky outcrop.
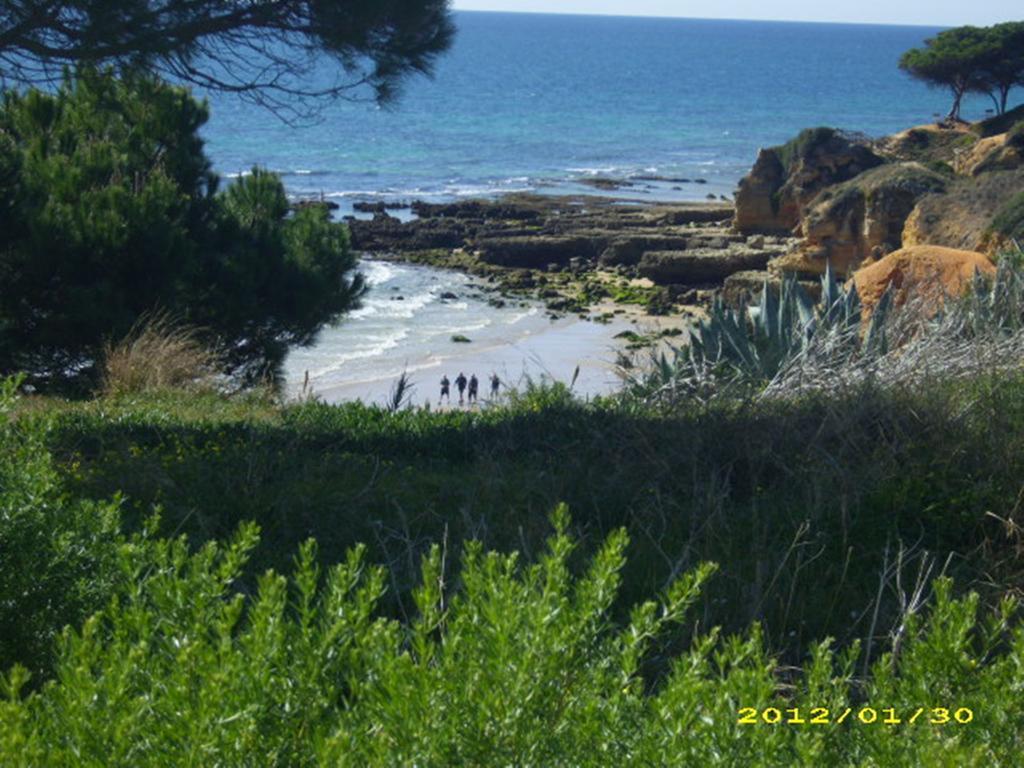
(538, 251)
(745, 287)
(303, 203)
(679, 215)
(518, 208)
(962, 218)
(933, 145)
(472, 224)
(772, 197)
(1003, 152)
(627, 251)
(378, 206)
(929, 272)
(699, 266)
(387, 234)
(758, 199)
(860, 219)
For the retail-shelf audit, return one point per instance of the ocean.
(541, 102)
(529, 102)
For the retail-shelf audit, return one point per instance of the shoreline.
(591, 312)
(548, 354)
(517, 345)
(574, 261)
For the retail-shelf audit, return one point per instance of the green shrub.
(503, 663)
(942, 168)
(751, 345)
(110, 210)
(1009, 221)
(997, 124)
(1015, 136)
(757, 486)
(787, 341)
(803, 144)
(57, 555)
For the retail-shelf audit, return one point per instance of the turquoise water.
(527, 101)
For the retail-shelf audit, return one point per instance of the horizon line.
(707, 18)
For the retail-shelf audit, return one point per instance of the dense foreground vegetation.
(835, 515)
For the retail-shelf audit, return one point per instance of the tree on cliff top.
(982, 59)
(1002, 62)
(952, 59)
(270, 51)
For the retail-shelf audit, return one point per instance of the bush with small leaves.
(57, 554)
(504, 663)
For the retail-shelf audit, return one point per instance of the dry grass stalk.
(923, 348)
(157, 354)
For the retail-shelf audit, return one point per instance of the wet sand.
(552, 353)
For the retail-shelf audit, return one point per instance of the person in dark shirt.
(445, 389)
(474, 387)
(460, 382)
(495, 383)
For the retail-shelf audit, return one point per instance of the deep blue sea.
(530, 101)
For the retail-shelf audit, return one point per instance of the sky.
(936, 13)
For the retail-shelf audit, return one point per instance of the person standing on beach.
(495, 383)
(445, 389)
(474, 387)
(460, 382)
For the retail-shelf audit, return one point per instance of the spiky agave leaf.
(831, 296)
(875, 340)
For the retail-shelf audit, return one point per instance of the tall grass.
(157, 354)
(798, 499)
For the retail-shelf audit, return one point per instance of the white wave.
(477, 190)
(593, 171)
(367, 310)
(393, 307)
(465, 328)
(336, 362)
(377, 272)
(346, 193)
(531, 312)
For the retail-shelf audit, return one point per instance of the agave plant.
(785, 332)
(998, 304)
(754, 343)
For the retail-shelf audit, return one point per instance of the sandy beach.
(409, 322)
(552, 353)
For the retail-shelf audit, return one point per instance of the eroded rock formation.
(772, 197)
(859, 219)
(963, 217)
(928, 272)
